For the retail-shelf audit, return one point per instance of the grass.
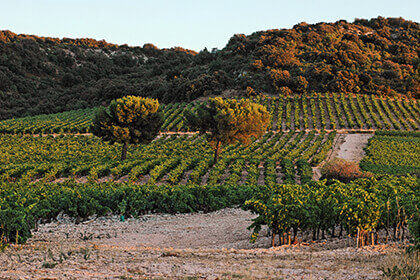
(404, 265)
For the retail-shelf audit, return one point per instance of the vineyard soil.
(213, 245)
(352, 147)
(346, 146)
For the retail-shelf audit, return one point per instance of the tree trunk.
(216, 152)
(358, 238)
(273, 236)
(294, 234)
(387, 235)
(124, 152)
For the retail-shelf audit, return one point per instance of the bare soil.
(184, 246)
(346, 146)
(352, 149)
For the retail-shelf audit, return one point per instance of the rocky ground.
(184, 246)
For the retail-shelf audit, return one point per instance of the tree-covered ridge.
(378, 56)
(45, 75)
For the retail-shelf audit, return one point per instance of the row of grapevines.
(168, 159)
(363, 207)
(393, 153)
(347, 111)
(291, 112)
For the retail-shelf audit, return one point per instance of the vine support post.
(402, 234)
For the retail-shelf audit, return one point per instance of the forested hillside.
(48, 75)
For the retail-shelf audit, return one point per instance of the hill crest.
(48, 75)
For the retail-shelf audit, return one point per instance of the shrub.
(342, 170)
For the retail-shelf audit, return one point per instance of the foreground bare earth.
(184, 246)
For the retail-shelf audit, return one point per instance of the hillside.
(49, 75)
(312, 112)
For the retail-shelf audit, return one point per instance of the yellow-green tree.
(228, 121)
(129, 120)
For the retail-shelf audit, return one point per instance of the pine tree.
(228, 121)
(129, 120)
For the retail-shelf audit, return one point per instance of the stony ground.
(184, 246)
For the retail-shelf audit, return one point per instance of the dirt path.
(352, 147)
(346, 146)
(202, 246)
(349, 147)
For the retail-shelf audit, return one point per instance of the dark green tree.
(129, 120)
(228, 121)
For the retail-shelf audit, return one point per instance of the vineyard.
(77, 121)
(330, 112)
(316, 209)
(393, 153)
(365, 205)
(43, 176)
(121, 162)
(171, 159)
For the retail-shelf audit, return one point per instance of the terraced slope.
(332, 112)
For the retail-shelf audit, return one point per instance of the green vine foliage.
(364, 204)
(23, 205)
